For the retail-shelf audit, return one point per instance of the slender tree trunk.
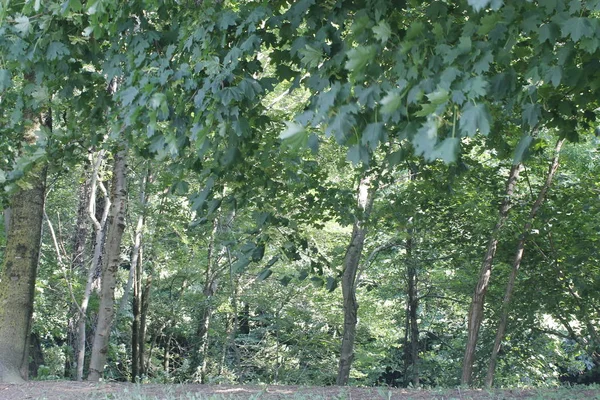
(17, 280)
(135, 282)
(517, 263)
(411, 356)
(110, 266)
(145, 300)
(351, 266)
(476, 309)
(136, 265)
(82, 225)
(99, 229)
(209, 291)
(136, 360)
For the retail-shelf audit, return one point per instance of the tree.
(20, 262)
(111, 259)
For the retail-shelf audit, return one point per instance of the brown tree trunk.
(17, 279)
(489, 380)
(476, 310)
(110, 266)
(351, 266)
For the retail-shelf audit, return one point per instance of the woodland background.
(341, 192)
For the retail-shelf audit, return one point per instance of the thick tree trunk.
(110, 266)
(489, 380)
(476, 310)
(351, 266)
(17, 279)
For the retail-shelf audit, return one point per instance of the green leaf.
(240, 265)
(372, 135)
(382, 31)
(332, 284)
(264, 274)
(391, 102)
(521, 149)
(22, 24)
(310, 56)
(359, 57)
(5, 80)
(426, 138)
(531, 114)
(479, 5)
(439, 96)
(476, 87)
(474, 118)
(128, 95)
(448, 149)
(415, 30)
(577, 27)
(548, 32)
(357, 154)
(483, 65)
(294, 136)
(56, 50)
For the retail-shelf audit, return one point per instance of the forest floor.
(66, 390)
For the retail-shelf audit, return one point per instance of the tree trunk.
(135, 266)
(476, 310)
(489, 380)
(208, 291)
(110, 266)
(145, 300)
(17, 279)
(136, 360)
(351, 266)
(99, 230)
(82, 225)
(411, 343)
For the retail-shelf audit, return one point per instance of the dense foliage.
(251, 128)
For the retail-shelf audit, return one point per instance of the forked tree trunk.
(351, 264)
(99, 230)
(17, 281)
(489, 380)
(110, 266)
(476, 310)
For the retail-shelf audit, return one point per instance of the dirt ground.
(65, 390)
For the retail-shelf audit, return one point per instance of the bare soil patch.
(66, 390)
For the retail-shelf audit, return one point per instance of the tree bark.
(411, 356)
(99, 229)
(351, 265)
(475, 317)
(209, 290)
(517, 263)
(135, 266)
(17, 280)
(110, 266)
